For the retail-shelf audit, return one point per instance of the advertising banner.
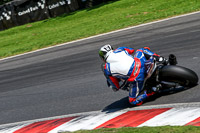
(21, 12)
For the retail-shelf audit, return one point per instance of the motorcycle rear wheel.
(178, 74)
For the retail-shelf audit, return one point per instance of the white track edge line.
(115, 31)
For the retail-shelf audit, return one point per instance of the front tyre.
(178, 74)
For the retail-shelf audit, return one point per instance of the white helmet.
(105, 51)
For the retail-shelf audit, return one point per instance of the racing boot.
(172, 59)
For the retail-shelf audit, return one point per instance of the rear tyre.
(178, 74)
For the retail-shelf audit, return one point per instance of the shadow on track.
(124, 102)
(117, 105)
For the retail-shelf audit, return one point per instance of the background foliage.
(89, 3)
(4, 1)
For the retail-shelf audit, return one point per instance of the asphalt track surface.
(68, 79)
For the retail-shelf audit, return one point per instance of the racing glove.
(172, 59)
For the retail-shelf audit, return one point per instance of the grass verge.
(106, 17)
(164, 129)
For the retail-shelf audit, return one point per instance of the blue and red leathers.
(122, 66)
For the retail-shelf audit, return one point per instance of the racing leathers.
(121, 66)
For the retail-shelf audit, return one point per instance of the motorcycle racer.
(122, 70)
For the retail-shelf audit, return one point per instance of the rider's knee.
(134, 102)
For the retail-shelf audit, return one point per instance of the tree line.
(4, 1)
(89, 3)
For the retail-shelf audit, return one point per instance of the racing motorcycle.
(164, 77)
(169, 76)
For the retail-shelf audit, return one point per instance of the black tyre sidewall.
(178, 74)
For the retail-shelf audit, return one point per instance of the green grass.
(80, 24)
(164, 129)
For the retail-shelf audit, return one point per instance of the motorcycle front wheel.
(178, 74)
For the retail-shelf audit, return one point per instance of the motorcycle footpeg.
(157, 88)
